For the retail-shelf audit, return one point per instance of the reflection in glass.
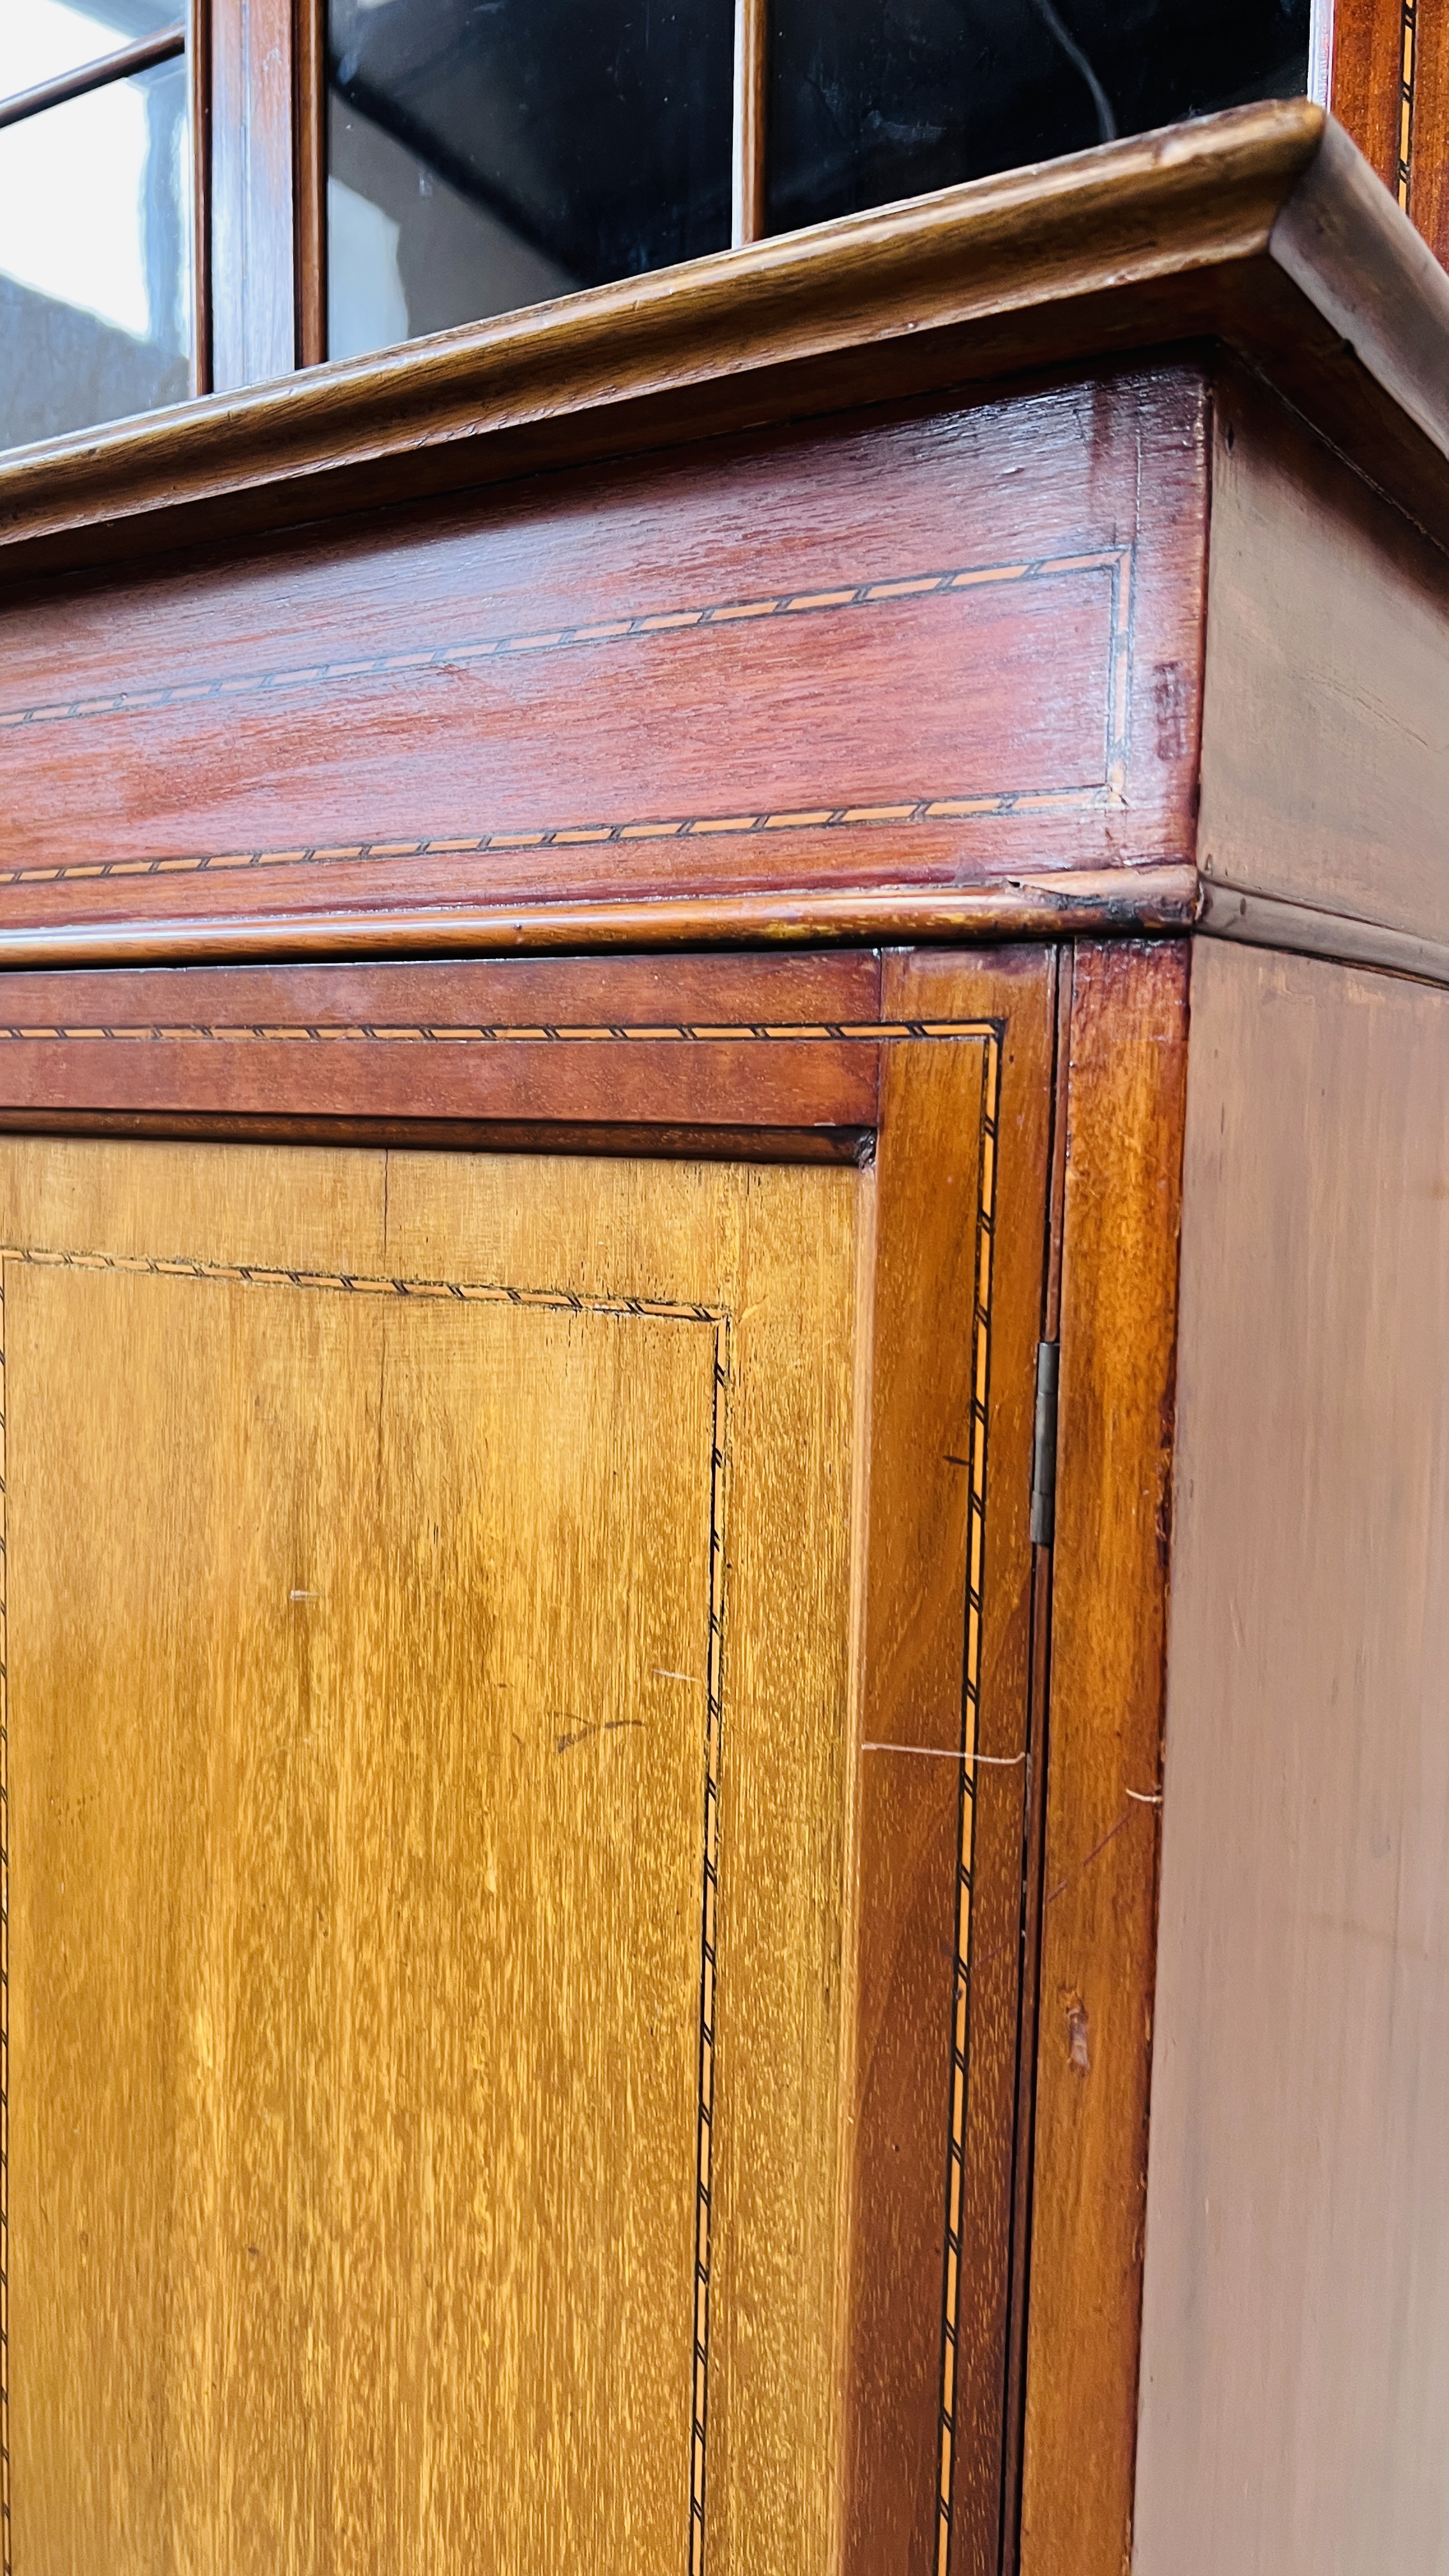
(40, 39)
(94, 257)
(485, 154)
(871, 100)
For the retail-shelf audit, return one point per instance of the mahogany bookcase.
(725, 1220)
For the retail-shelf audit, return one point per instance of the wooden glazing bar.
(750, 114)
(142, 57)
(310, 82)
(198, 67)
(1320, 51)
(253, 231)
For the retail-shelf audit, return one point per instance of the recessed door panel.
(376, 1957)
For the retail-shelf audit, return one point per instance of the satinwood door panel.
(441, 1676)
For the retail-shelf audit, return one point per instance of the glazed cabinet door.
(497, 1649)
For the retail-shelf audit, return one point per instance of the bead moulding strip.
(1155, 897)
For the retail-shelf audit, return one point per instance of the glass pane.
(94, 257)
(40, 39)
(871, 100)
(488, 156)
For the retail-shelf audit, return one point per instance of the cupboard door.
(459, 1922)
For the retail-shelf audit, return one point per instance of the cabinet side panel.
(1325, 756)
(1296, 2331)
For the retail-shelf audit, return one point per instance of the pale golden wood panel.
(360, 1651)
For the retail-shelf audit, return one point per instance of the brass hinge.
(1044, 1446)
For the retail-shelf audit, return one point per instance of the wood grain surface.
(1099, 1912)
(723, 1054)
(252, 45)
(814, 662)
(309, 90)
(955, 1305)
(1368, 63)
(1057, 903)
(1429, 187)
(1295, 2367)
(1325, 750)
(356, 1872)
(399, 1970)
(1391, 92)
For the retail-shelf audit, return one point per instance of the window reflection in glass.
(94, 256)
(41, 39)
(872, 100)
(485, 154)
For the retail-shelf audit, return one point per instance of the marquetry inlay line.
(422, 1034)
(1092, 796)
(463, 1292)
(823, 600)
(704, 2169)
(1408, 65)
(970, 1718)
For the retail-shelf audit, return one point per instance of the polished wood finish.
(310, 110)
(751, 116)
(1034, 1812)
(378, 1870)
(945, 1645)
(755, 869)
(1429, 192)
(1261, 228)
(1127, 1069)
(198, 107)
(1325, 757)
(803, 666)
(1064, 904)
(252, 166)
(937, 1456)
(1295, 2368)
(1390, 89)
(577, 1044)
(1368, 86)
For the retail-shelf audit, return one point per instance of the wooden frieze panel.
(934, 649)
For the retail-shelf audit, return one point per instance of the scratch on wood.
(602, 1726)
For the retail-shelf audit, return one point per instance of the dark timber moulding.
(1261, 229)
(1129, 900)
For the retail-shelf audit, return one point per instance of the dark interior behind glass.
(486, 154)
(868, 104)
(572, 140)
